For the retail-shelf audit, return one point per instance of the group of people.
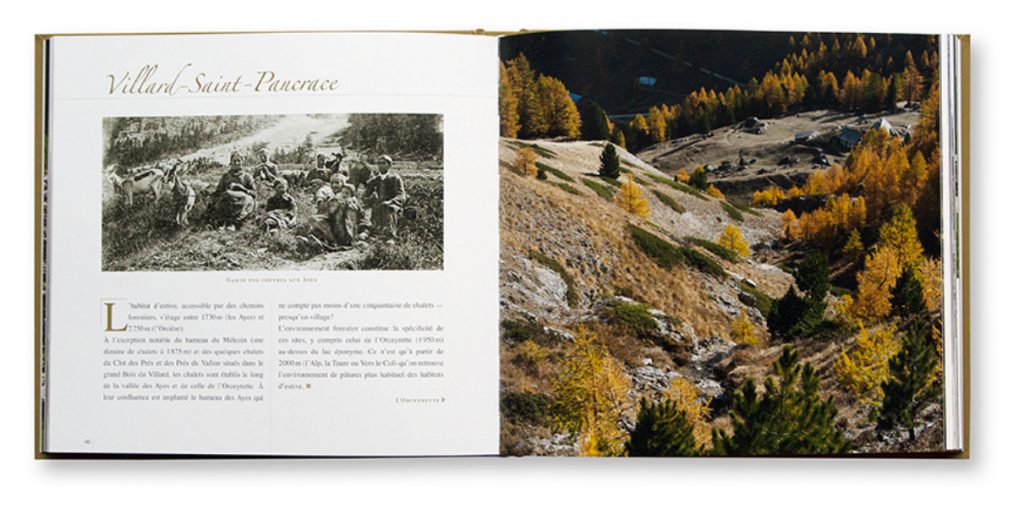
(352, 200)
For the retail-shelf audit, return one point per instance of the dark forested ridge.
(606, 66)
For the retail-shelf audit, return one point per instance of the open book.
(619, 243)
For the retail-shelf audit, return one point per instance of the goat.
(183, 196)
(148, 180)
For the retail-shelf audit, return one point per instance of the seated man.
(280, 208)
(265, 170)
(321, 172)
(235, 197)
(389, 198)
(334, 226)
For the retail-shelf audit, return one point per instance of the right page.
(724, 243)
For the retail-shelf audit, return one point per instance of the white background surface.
(990, 480)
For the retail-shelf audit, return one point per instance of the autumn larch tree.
(508, 103)
(863, 370)
(789, 418)
(732, 238)
(661, 430)
(592, 396)
(558, 110)
(526, 162)
(743, 332)
(631, 198)
(912, 385)
(609, 162)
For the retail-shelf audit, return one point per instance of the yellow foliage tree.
(875, 282)
(526, 162)
(866, 367)
(508, 103)
(853, 245)
(713, 192)
(732, 238)
(769, 197)
(743, 331)
(686, 396)
(790, 226)
(900, 234)
(563, 119)
(592, 396)
(632, 199)
(682, 176)
(929, 274)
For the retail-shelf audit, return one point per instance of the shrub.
(667, 255)
(567, 188)
(678, 186)
(520, 331)
(634, 316)
(668, 201)
(725, 253)
(732, 211)
(763, 302)
(713, 192)
(602, 190)
(554, 171)
(664, 254)
(701, 262)
(530, 407)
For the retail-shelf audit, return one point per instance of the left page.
(271, 244)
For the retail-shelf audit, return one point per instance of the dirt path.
(289, 132)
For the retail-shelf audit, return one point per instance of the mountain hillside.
(667, 303)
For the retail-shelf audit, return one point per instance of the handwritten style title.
(150, 80)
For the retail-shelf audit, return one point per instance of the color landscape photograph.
(720, 243)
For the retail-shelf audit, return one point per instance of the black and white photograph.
(362, 191)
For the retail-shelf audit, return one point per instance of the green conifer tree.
(794, 315)
(699, 178)
(907, 295)
(812, 276)
(662, 430)
(594, 121)
(609, 162)
(911, 385)
(790, 418)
